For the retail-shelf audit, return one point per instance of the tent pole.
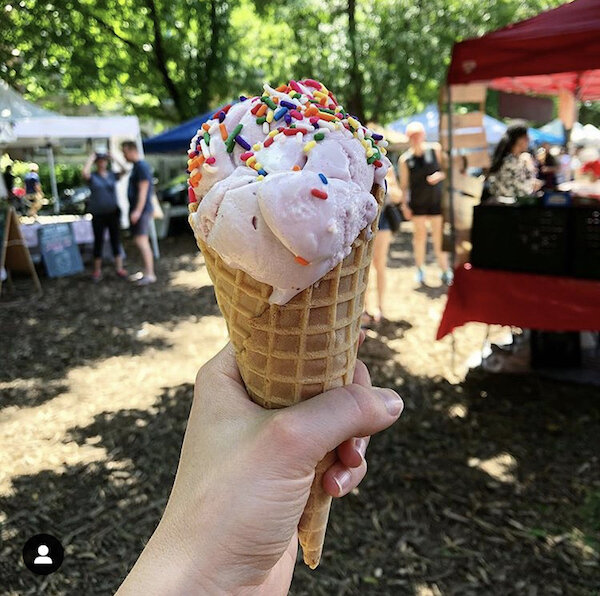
(451, 179)
(53, 185)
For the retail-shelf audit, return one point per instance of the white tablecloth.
(582, 188)
(81, 225)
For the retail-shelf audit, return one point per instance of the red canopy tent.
(556, 50)
(554, 53)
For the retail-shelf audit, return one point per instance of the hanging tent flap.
(557, 49)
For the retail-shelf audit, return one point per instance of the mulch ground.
(489, 484)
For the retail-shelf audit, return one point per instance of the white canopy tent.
(581, 134)
(25, 125)
(45, 130)
(49, 131)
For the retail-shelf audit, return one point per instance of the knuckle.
(282, 429)
(365, 407)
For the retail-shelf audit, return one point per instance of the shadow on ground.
(488, 487)
(75, 323)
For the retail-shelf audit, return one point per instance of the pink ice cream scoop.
(284, 185)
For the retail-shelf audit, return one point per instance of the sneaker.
(420, 276)
(146, 280)
(122, 273)
(448, 277)
(96, 276)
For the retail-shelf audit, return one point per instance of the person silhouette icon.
(42, 558)
(43, 554)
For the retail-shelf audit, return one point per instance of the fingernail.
(361, 446)
(343, 480)
(393, 402)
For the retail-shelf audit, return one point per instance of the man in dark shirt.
(139, 192)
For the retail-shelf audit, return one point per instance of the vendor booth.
(494, 129)
(534, 263)
(23, 125)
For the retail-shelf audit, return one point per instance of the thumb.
(318, 425)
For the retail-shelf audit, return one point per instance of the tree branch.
(104, 25)
(161, 60)
(211, 55)
(355, 96)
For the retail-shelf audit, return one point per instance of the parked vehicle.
(74, 201)
(175, 191)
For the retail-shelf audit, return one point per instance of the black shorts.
(142, 226)
(431, 205)
(384, 222)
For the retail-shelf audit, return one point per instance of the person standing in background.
(381, 246)
(9, 180)
(548, 167)
(565, 174)
(33, 190)
(139, 193)
(105, 212)
(512, 173)
(421, 183)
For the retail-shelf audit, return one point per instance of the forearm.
(87, 168)
(167, 567)
(142, 196)
(165, 570)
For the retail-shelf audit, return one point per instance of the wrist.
(167, 567)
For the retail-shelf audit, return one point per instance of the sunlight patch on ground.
(501, 467)
(457, 411)
(193, 279)
(29, 447)
(427, 590)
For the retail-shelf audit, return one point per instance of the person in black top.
(548, 168)
(105, 211)
(421, 182)
(139, 192)
(9, 180)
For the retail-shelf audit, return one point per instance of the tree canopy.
(172, 59)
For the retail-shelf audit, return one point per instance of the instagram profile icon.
(43, 554)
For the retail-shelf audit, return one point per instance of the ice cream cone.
(292, 352)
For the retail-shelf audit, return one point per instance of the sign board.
(478, 159)
(469, 120)
(475, 140)
(14, 254)
(468, 185)
(470, 93)
(527, 107)
(59, 250)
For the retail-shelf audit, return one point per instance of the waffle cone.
(292, 352)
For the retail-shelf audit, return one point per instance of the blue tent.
(542, 135)
(494, 129)
(176, 139)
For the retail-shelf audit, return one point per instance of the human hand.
(435, 178)
(134, 216)
(230, 526)
(406, 211)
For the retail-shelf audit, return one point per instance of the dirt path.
(489, 485)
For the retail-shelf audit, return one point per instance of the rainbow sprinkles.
(302, 110)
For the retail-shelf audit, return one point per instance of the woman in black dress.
(421, 182)
(105, 212)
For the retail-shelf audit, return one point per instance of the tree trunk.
(211, 58)
(161, 61)
(355, 101)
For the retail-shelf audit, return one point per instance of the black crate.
(555, 349)
(585, 262)
(528, 239)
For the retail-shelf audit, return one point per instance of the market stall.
(554, 53)
(81, 226)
